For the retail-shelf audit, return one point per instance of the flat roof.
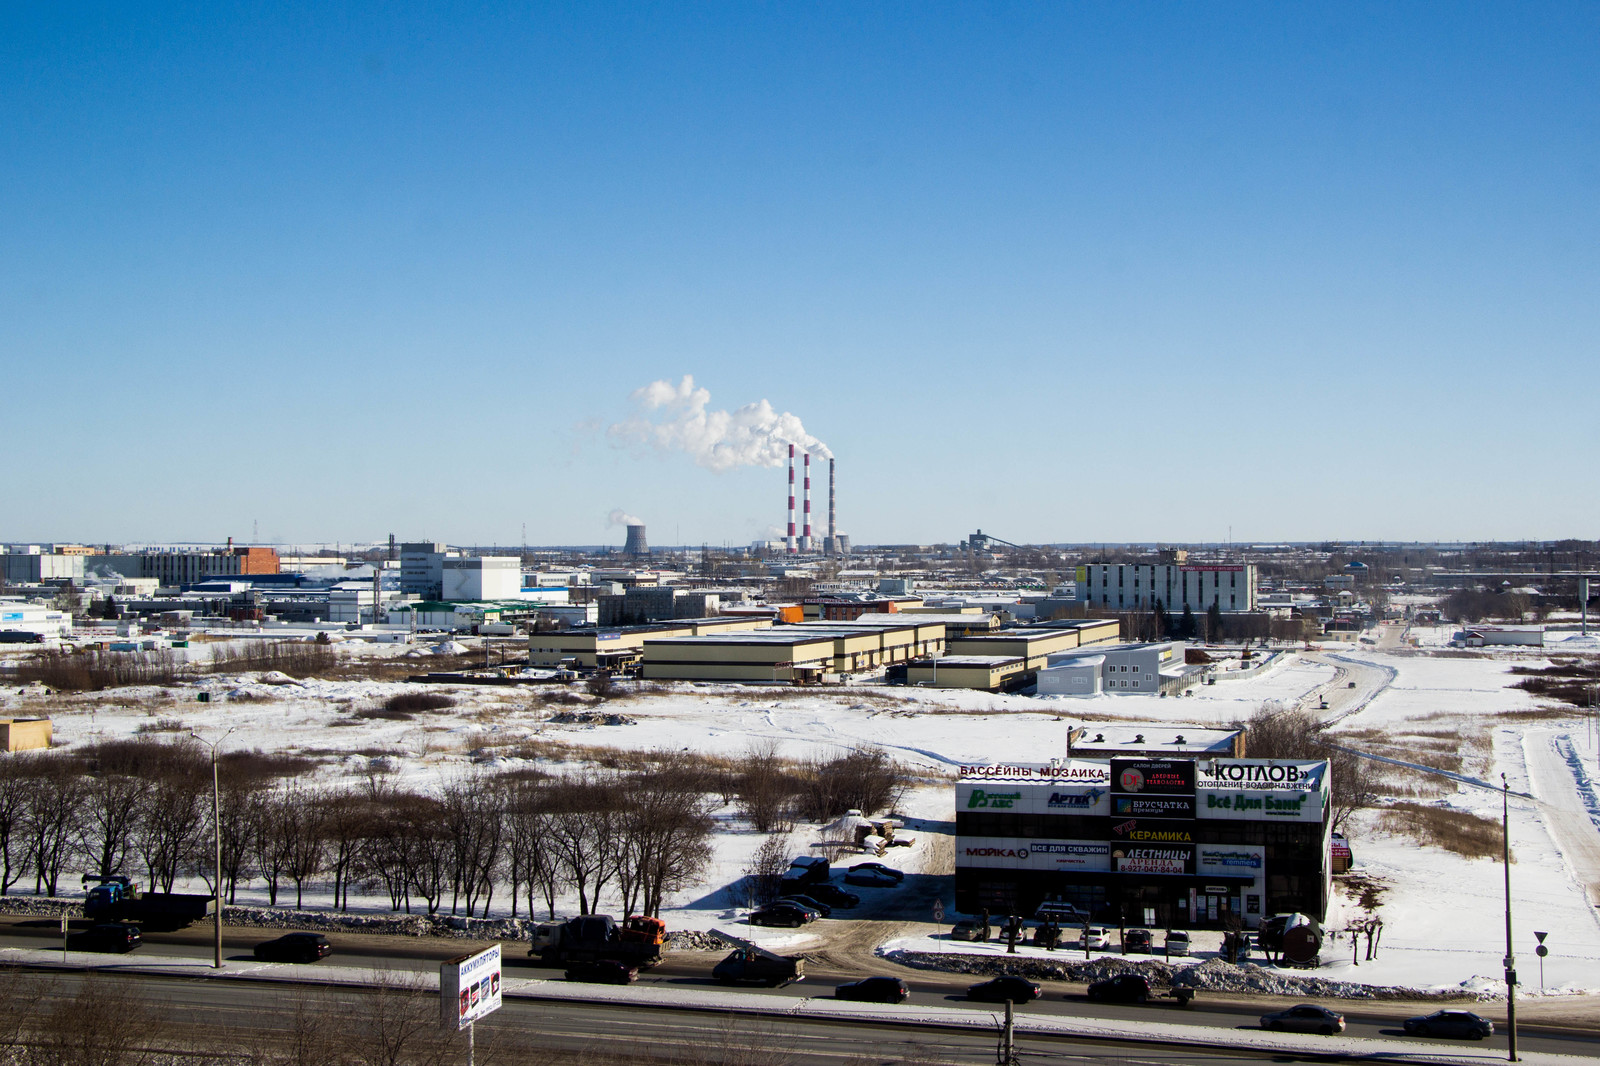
(786, 635)
(969, 660)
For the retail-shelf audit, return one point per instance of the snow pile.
(1214, 975)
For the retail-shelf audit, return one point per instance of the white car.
(1095, 938)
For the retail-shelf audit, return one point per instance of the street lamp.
(1510, 959)
(216, 826)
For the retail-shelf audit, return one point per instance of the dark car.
(1123, 988)
(1137, 942)
(822, 909)
(878, 867)
(601, 971)
(1458, 1023)
(875, 990)
(106, 937)
(871, 879)
(1016, 989)
(1306, 1018)
(295, 947)
(829, 893)
(781, 914)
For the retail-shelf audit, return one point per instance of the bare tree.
(396, 1024)
(113, 806)
(53, 812)
(347, 823)
(765, 789)
(15, 774)
(765, 870)
(586, 832)
(303, 822)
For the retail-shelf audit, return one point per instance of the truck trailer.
(118, 898)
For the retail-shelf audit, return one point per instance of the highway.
(691, 971)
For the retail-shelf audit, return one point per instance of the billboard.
(1159, 776)
(1262, 806)
(1024, 853)
(1262, 775)
(1153, 859)
(469, 988)
(1152, 807)
(1031, 798)
(1158, 832)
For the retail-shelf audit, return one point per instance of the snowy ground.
(1443, 914)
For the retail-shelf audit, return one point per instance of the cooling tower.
(636, 544)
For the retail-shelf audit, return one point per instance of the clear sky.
(1068, 272)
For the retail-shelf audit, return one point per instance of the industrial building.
(31, 565)
(422, 569)
(175, 567)
(1036, 643)
(806, 652)
(614, 649)
(988, 673)
(1162, 842)
(24, 734)
(17, 616)
(1138, 586)
(1118, 670)
(481, 577)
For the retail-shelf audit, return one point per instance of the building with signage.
(1167, 842)
(1137, 586)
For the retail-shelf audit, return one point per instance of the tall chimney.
(833, 514)
(805, 542)
(791, 500)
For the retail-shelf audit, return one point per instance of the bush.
(92, 670)
(1462, 832)
(417, 702)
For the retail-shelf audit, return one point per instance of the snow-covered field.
(1443, 914)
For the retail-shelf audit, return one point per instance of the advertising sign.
(1153, 859)
(1262, 775)
(1152, 806)
(1021, 853)
(1238, 860)
(1261, 806)
(1076, 771)
(469, 988)
(1158, 776)
(1031, 797)
(1135, 829)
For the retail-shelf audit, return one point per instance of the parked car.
(875, 990)
(827, 892)
(1000, 989)
(1123, 988)
(812, 914)
(969, 929)
(822, 909)
(1305, 1018)
(878, 867)
(871, 879)
(601, 971)
(1060, 913)
(1177, 943)
(105, 937)
(1457, 1023)
(781, 914)
(1137, 942)
(1095, 938)
(294, 947)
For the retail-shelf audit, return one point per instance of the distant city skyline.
(1064, 272)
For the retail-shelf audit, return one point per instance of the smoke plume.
(673, 418)
(619, 517)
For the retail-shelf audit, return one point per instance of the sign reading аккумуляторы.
(469, 988)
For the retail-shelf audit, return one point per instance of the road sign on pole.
(469, 989)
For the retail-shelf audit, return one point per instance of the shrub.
(417, 702)
(1467, 834)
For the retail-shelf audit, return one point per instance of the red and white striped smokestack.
(791, 500)
(805, 541)
(833, 515)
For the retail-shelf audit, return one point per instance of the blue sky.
(1068, 272)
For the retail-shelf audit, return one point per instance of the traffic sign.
(1541, 951)
(938, 910)
(1541, 936)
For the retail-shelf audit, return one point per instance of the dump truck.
(751, 964)
(118, 898)
(590, 937)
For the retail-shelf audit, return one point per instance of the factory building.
(31, 565)
(483, 577)
(19, 617)
(1118, 670)
(989, 673)
(173, 568)
(1173, 842)
(422, 569)
(644, 604)
(1036, 643)
(1137, 586)
(614, 649)
(806, 652)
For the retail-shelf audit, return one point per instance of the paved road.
(691, 970)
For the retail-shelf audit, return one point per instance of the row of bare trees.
(144, 805)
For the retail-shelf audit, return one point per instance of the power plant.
(806, 541)
(636, 545)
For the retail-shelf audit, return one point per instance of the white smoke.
(674, 419)
(619, 517)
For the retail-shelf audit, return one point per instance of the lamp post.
(1510, 959)
(216, 826)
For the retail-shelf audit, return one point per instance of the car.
(781, 914)
(1457, 1023)
(294, 947)
(829, 893)
(878, 867)
(812, 913)
(1095, 938)
(870, 879)
(1137, 941)
(1123, 988)
(822, 909)
(1060, 913)
(808, 868)
(1000, 989)
(1305, 1018)
(875, 990)
(1177, 943)
(107, 936)
(969, 929)
(602, 971)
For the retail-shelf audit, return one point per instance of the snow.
(1443, 914)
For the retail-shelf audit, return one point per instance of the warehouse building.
(1154, 841)
(1118, 670)
(614, 649)
(1036, 643)
(812, 651)
(987, 673)
(1138, 586)
(45, 621)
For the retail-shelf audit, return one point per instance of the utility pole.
(1510, 959)
(216, 825)
(1008, 1043)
